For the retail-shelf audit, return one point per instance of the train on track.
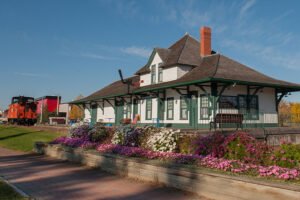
(22, 111)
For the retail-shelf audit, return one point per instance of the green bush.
(235, 150)
(287, 155)
(186, 145)
(98, 134)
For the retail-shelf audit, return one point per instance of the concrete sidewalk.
(48, 178)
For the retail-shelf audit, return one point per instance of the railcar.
(22, 111)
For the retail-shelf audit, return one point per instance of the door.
(119, 111)
(135, 107)
(193, 109)
(93, 114)
(161, 110)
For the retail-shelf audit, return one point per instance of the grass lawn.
(22, 139)
(7, 193)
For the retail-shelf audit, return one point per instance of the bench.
(224, 118)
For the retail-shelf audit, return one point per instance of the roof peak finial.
(186, 33)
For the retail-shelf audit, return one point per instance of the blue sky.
(75, 47)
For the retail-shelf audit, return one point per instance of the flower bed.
(239, 153)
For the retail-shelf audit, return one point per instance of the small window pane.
(160, 74)
(204, 107)
(148, 109)
(228, 102)
(153, 74)
(183, 108)
(170, 108)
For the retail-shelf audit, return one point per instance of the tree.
(44, 115)
(284, 110)
(76, 112)
(295, 112)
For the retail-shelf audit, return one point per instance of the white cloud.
(246, 7)
(268, 54)
(97, 56)
(137, 51)
(30, 74)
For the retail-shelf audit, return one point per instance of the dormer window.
(160, 73)
(153, 74)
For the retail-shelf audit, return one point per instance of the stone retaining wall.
(207, 184)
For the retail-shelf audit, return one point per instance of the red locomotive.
(22, 110)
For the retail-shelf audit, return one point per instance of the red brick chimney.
(205, 42)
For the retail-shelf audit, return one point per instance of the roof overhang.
(158, 87)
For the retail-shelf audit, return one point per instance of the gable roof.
(218, 67)
(215, 67)
(183, 52)
(163, 54)
(116, 88)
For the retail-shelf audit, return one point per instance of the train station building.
(189, 85)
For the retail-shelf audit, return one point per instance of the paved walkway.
(49, 178)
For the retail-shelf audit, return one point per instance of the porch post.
(214, 93)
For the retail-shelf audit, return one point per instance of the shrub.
(165, 140)
(80, 131)
(98, 133)
(133, 137)
(288, 155)
(210, 145)
(146, 133)
(242, 146)
(120, 134)
(186, 144)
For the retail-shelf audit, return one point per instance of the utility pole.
(42, 107)
(57, 105)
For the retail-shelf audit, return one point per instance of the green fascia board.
(172, 85)
(205, 80)
(255, 83)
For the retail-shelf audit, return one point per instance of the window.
(153, 74)
(160, 73)
(228, 102)
(204, 107)
(149, 109)
(127, 110)
(183, 108)
(242, 104)
(170, 108)
(252, 107)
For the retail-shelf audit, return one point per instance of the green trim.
(94, 109)
(170, 100)
(184, 98)
(207, 126)
(205, 80)
(148, 100)
(239, 82)
(172, 85)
